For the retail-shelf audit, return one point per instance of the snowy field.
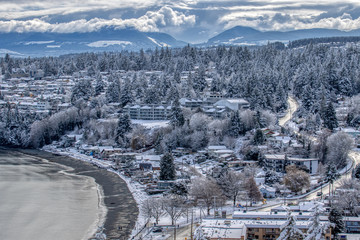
(151, 123)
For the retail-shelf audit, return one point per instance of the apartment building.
(276, 162)
(148, 111)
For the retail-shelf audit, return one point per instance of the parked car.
(319, 193)
(158, 229)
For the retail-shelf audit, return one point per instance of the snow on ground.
(151, 123)
(101, 44)
(38, 42)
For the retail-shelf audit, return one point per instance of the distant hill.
(248, 36)
(109, 39)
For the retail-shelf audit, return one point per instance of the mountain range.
(110, 39)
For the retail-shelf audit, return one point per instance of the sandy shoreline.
(122, 210)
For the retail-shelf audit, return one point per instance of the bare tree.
(339, 145)
(231, 183)
(349, 197)
(207, 190)
(153, 208)
(296, 179)
(173, 207)
(252, 190)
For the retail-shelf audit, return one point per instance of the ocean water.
(40, 200)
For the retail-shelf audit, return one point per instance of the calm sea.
(40, 200)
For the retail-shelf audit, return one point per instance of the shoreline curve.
(121, 208)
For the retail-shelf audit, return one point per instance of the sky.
(192, 21)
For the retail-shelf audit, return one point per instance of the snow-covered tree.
(176, 115)
(199, 234)
(235, 127)
(316, 230)
(123, 127)
(338, 145)
(295, 179)
(206, 190)
(330, 120)
(231, 183)
(331, 175)
(336, 218)
(81, 90)
(99, 85)
(173, 207)
(167, 167)
(289, 231)
(252, 190)
(258, 137)
(153, 208)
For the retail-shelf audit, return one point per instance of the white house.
(234, 104)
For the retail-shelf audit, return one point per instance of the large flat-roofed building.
(241, 229)
(276, 162)
(148, 111)
(234, 104)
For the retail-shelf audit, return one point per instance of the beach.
(121, 209)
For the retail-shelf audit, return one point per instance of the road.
(293, 106)
(353, 155)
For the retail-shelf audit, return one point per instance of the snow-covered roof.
(282, 157)
(238, 101)
(106, 148)
(148, 157)
(219, 147)
(303, 207)
(223, 229)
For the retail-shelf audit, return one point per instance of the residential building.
(234, 104)
(277, 162)
(148, 111)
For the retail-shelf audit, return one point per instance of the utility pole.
(192, 222)
(214, 205)
(174, 230)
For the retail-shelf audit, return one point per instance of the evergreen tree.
(235, 125)
(126, 95)
(167, 167)
(331, 175)
(123, 127)
(99, 85)
(112, 93)
(258, 137)
(82, 89)
(357, 172)
(176, 116)
(335, 217)
(330, 120)
(289, 231)
(316, 230)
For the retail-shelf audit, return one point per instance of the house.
(301, 207)
(352, 224)
(123, 157)
(234, 104)
(106, 151)
(241, 163)
(211, 149)
(267, 191)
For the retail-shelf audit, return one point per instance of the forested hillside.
(315, 75)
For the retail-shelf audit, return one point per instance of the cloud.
(151, 21)
(285, 22)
